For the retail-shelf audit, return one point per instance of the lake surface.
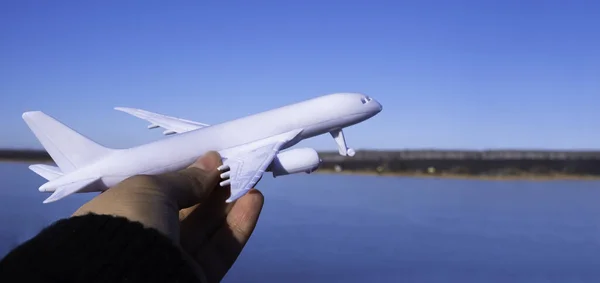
(332, 228)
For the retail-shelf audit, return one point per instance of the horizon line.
(405, 149)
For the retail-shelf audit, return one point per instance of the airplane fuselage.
(314, 117)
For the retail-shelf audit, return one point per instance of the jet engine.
(295, 161)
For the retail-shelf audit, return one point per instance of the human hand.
(189, 207)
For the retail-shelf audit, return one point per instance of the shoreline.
(520, 177)
(488, 165)
(523, 177)
(25, 160)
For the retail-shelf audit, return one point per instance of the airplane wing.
(246, 165)
(172, 125)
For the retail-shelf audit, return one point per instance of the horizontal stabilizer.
(172, 125)
(69, 189)
(48, 172)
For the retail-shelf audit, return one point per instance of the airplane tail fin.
(69, 149)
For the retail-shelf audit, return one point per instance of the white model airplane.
(249, 146)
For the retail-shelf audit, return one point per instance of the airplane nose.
(378, 107)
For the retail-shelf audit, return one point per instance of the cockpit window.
(365, 100)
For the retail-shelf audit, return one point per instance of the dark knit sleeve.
(96, 248)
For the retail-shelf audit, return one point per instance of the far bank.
(488, 165)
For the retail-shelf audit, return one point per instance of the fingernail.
(203, 163)
(208, 161)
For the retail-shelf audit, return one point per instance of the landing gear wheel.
(350, 152)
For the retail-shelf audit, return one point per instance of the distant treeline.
(24, 155)
(488, 163)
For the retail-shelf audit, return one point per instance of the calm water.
(325, 228)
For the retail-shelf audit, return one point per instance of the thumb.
(194, 184)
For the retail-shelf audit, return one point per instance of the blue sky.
(470, 74)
